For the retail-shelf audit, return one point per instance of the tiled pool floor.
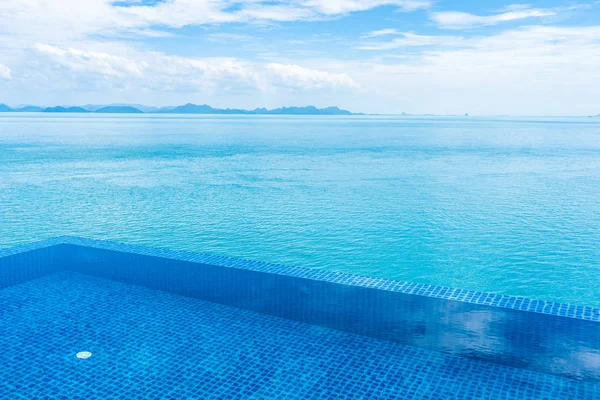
(148, 344)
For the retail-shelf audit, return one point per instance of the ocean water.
(504, 205)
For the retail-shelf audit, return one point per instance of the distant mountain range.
(185, 109)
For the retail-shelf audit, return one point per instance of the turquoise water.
(502, 205)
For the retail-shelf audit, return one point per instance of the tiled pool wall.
(24, 263)
(541, 336)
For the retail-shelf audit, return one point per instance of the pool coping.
(517, 303)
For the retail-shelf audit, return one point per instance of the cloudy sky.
(386, 56)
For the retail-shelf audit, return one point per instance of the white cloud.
(5, 73)
(461, 20)
(515, 7)
(59, 19)
(296, 77)
(159, 72)
(536, 70)
(333, 7)
(381, 32)
(228, 37)
(409, 39)
(68, 19)
(82, 61)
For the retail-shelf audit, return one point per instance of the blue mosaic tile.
(27, 247)
(29, 261)
(529, 334)
(148, 344)
(502, 301)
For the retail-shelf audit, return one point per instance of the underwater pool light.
(84, 354)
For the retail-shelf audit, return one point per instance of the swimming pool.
(171, 324)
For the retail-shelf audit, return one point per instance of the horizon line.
(135, 108)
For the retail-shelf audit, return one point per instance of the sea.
(498, 204)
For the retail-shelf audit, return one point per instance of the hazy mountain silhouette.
(141, 107)
(29, 109)
(308, 110)
(184, 109)
(59, 109)
(204, 109)
(119, 110)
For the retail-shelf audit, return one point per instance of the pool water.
(156, 345)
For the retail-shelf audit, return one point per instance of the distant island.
(184, 109)
(119, 110)
(59, 109)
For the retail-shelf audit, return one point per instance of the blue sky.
(387, 56)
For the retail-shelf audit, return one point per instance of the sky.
(489, 57)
